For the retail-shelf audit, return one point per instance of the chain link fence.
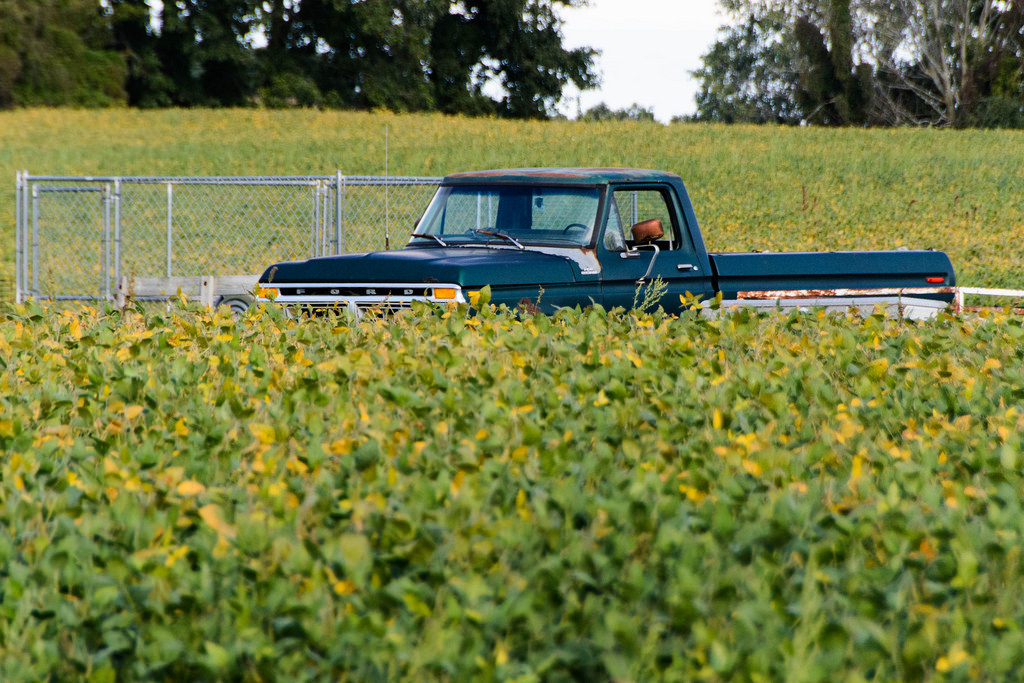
(77, 237)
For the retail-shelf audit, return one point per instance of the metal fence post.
(106, 241)
(117, 232)
(313, 220)
(18, 255)
(324, 204)
(24, 233)
(337, 212)
(35, 241)
(170, 222)
(341, 214)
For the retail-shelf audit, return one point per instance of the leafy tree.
(55, 52)
(397, 54)
(832, 89)
(204, 51)
(132, 34)
(748, 75)
(602, 112)
(456, 76)
(950, 55)
(521, 45)
(876, 62)
(423, 54)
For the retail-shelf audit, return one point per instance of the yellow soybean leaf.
(132, 412)
(211, 515)
(693, 494)
(340, 447)
(752, 468)
(190, 488)
(522, 507)
(858, 467)
(878, 368)
(175, 555)
(263, 432)
(456, 484)
(953, 660)
(221, 548)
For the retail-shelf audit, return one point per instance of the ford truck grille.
(320, 297)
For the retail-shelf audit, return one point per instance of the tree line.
(867, 62)
(403, 55)
(824, 62)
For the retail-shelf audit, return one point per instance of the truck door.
(643, 240)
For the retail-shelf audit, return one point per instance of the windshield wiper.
(431, 237)
(511, 239)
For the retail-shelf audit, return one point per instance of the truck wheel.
(238, 303)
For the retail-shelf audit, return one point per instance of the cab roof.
(568, 176)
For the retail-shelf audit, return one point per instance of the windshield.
(512, 215)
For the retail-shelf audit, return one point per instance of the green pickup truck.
(551, 237)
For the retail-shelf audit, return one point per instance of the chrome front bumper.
(357, 297)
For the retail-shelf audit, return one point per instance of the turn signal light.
(267, 292)
(444, 293)
(935, 280)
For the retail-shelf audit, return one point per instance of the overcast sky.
(648, 48)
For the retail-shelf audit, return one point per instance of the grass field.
(766, 187)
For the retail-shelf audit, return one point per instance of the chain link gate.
(79, 238)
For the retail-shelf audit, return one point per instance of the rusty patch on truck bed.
(835, 293)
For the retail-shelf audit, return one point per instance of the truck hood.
(466, 266)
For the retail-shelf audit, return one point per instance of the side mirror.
(646, 232)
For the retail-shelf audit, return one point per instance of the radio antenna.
(387, 213)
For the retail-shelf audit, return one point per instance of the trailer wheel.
(238, 303)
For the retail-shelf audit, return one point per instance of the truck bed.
(836, 279)
(733, 273)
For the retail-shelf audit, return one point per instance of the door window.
(636, 216)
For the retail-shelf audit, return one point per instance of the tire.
(238, 303)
